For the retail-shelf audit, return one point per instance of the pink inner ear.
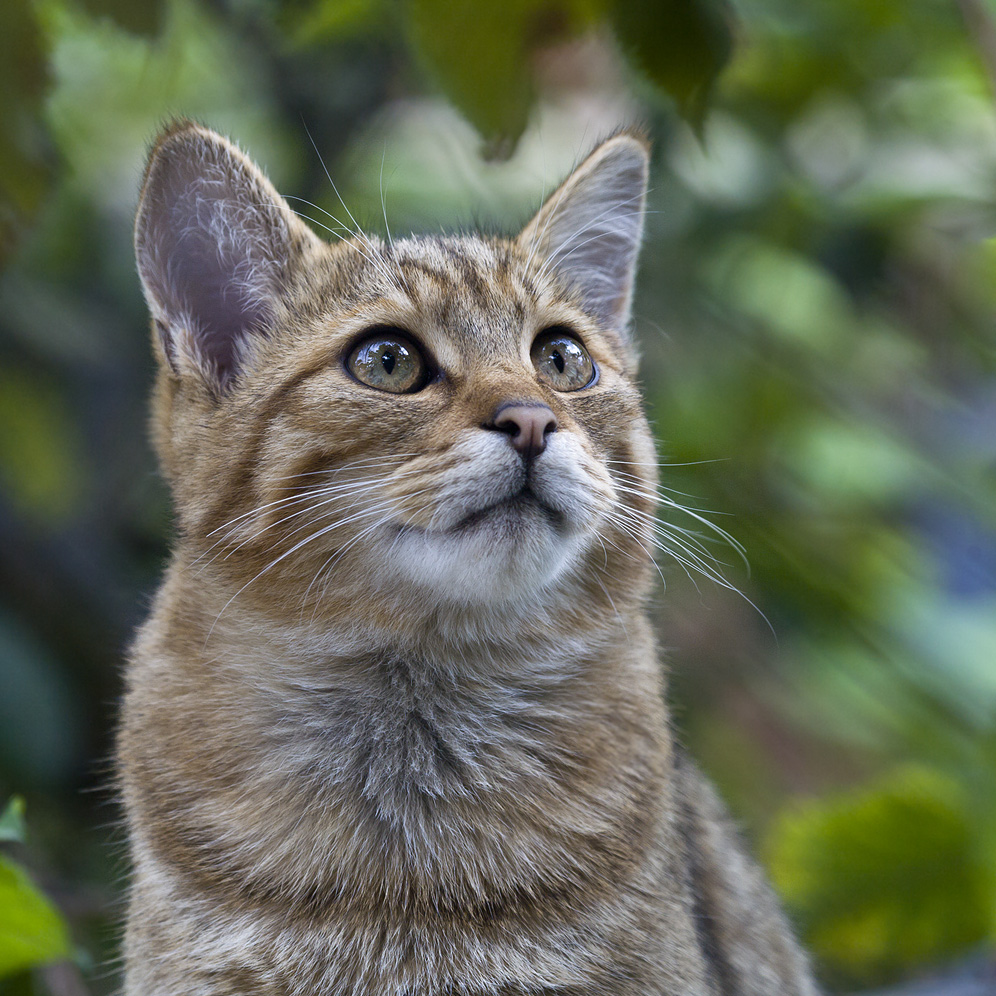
(209, 284)
(210, 237)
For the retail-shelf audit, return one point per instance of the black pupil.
(558, 360)
(388, 360)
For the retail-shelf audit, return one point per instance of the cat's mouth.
(522, 505)
(492, 545)
(513, 512)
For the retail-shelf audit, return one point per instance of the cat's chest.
(401, 731)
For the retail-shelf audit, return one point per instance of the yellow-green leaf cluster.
(885, 878)
(32, 931)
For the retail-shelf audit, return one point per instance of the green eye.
(561, 361)
(386, 360)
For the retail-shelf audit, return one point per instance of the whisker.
(621, 523)
(347, 242)
(335, 189)
(695, 513)
(383, 201)
(667, 463)
(356, 227)
(655, 488)
(659, 494)
(331, 472)
(331, 492)
(554, 258)
(304, 511)
(685, 549)
(692, 549)
(324, 531)
(329, 564)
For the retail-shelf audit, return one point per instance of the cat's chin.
(504, 551)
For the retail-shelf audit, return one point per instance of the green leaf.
(681, 46)
(884, 878)
(31, 930)
(12, 828)
(145, 18)
(317, 21)
(479, 54)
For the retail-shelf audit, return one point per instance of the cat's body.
(396, 724)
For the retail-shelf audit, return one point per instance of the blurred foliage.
(481, 53)
(816, 314)
(24, 78)
(890, 876)
(12, 826)
(32, 932)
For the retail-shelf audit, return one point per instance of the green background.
(816, 315)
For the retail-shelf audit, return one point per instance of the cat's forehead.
(471, 259)
(478, 290)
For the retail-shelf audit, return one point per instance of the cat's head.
(445, 420)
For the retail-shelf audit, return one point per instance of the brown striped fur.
(404, 736)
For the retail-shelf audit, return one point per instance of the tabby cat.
(395, 725)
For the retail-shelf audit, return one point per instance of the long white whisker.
(376, 264)
(659, 495)
(331, 472)
(287, 501)
(656, 490)
(310, 508)
(383, 201)
(687, 565)
(666, 463)
(371, 257)
(357, 232)
(331, 493)
(679, 550)
(695, 514)
(356, 227)
(690, 546)
(564, 187)
(325, 211)
(230, 526)
(324, 531)
(555, 259)
(329, 564)
(624, 526)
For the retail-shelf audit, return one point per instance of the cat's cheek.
(574, 484)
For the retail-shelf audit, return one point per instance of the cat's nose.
(526, 425)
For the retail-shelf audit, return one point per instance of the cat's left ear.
(588, 232)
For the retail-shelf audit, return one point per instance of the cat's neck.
(545, 632)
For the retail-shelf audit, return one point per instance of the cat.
(396, 723)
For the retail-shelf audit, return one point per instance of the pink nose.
(527, 425)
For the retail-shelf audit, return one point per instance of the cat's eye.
(561, 361)
(387, 360)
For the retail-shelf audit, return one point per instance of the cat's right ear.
(213, 241)
(588, 232)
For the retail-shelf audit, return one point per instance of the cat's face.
(451, 420)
